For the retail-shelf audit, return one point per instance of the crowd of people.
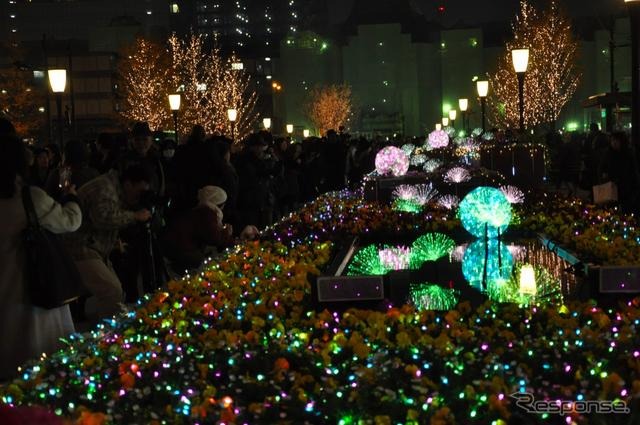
(133, 211)
(583, 160)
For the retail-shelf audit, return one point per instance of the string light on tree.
(329, 107)
(145, 84)
(552, 76)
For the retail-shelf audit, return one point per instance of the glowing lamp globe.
(485, 211)
(528, 280)
(438, 139)
(392, 161)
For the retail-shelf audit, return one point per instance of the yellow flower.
(403, 340)
(382, 420)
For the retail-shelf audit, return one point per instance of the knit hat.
(213, 194)
(213, 197)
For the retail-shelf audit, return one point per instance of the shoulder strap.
(27, 202)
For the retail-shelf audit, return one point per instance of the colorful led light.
(485, 211)
(392, 161)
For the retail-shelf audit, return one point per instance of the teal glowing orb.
(485, 210)
(499, 263)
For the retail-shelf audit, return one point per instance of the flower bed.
(238, 344)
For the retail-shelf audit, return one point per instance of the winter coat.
(26, 331)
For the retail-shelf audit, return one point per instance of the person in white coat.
(26, 331)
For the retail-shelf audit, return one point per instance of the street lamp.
(267, 123)
(232, 113)
(483, 91)
(58, 82)
(306, 133)
(289, 129)
(453, 114)
(174, 104)
(445, 122)
(464, 106)
(438, 126)
(520, 58)
(634, 14)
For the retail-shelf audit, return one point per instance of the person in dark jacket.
(39, 171)
(193, 168)
(225, 175)
(190, 237)
(254, 199)
(621, 167)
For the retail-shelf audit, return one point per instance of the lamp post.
(266, 122)
(289, 129)
(438, 126)
(174, 104)
(463, 105)
(520, 58)
(306, 133)
(445, 121)
(483, 91)
(232, 113)
(58, 82)
(453, 114)
(634, 14)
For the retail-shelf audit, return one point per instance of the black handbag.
(52, 279)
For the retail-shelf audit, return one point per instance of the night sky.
(483, 11)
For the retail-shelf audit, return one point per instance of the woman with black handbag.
(26, 331)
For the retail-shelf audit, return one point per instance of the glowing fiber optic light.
(367, 262)
(499, 263)
(433, 297)
(485, 210)
(448, 202)
(431, 247)
(457, 175)
(408, 148)
(392, 161)
(395, 258)
(431, 165)
(418, 160)
(513, 194)
(438, 139)
(405, 192)
(424, 193)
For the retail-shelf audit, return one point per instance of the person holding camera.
(106, 202)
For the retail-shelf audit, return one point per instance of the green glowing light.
(499, 264)
(446, 107)
(485, 209)
(407, 205)
(433, 297)
(346, 420)
(367, 262)
(430, 247)
(573, 126)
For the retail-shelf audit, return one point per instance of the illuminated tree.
(207, 82)
(235, 92)
(20, 98)
(145, 82)
(329, 107)
(210, 86)
(552, 77)
(20, 101)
